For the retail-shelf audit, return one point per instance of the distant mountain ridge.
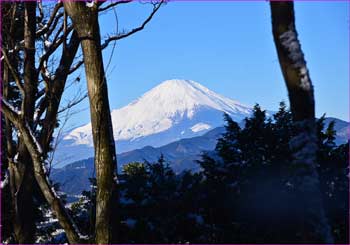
(181, 155)
(171, 111)
(178, 118)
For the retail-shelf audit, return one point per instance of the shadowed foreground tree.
(33, 102)
(314, 226)
(36, 118)
(21, 198)
(37, 62)
(85, 20)
(248, 196)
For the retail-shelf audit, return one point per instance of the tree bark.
(51, 196)
(22, 170)
(315, 227)
(85, 21)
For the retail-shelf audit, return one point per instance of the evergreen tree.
(228, 200)
(254, 136)
(261, 179)
(282, 131)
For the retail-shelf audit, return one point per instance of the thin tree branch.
(113, 4)
(52, 18)
(56, 90)
(59, 16)
(53, 48)
(13, 71)
(76, 66)
(41, 11)
(73, 103)
(135, 30)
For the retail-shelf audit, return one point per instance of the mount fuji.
(173, 110)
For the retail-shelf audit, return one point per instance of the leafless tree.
(85, 20)
(37, 117)
(31, 121)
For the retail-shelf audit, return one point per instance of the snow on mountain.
(173, 110)
(161, 108)
(199, 127)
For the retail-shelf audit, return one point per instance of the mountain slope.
(181, 155)
(173, 110)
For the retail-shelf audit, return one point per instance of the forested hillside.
(241, 194)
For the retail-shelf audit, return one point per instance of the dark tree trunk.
(10, 153)
(22, 178)
(314, 225)
(49, 193)
(30, 152)
(85, 22)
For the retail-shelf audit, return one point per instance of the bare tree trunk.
(51, 196)
(314, 225)
(22, 171)
(85, 21)
(16, 224)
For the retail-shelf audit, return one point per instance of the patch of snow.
(57, 232)
(13, 109)
(5, 181)
(36, 114)
(90, 4)
(15, 159)
(34, 138)
(47, 44)
(54, 192)
(200, 127)
(50, 221)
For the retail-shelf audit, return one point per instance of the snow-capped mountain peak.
(173, 110)
(185, 95)
(160, 109)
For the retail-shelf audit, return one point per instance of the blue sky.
(227, 47)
